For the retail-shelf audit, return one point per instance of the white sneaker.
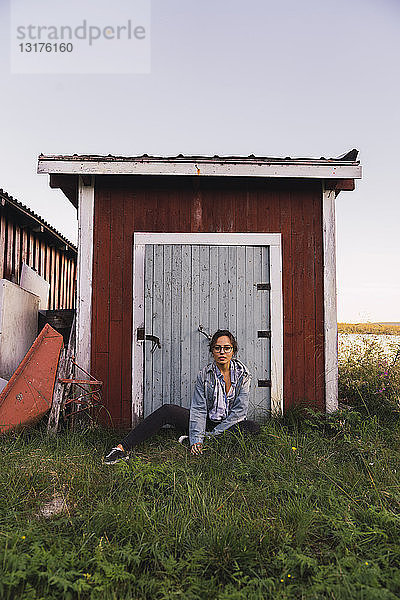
(115, 456)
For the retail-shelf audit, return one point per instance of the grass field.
(375, 328)
(309, 509)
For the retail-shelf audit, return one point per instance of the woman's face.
(221, 356)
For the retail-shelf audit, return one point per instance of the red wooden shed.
(172, 248)
(26, 238)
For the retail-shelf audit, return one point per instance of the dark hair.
(219, 334)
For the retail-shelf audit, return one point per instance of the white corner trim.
(330, 303)
(273, 240)
(84, 274)
(276, 330)
(233, 168)
(138, 322)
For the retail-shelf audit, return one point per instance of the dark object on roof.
(351, 155)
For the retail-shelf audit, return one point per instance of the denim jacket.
(203, 399)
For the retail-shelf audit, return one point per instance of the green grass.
(309, 509)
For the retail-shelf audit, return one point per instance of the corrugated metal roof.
(22, 208)
(349, 158)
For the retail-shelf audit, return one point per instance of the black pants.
(172, 414)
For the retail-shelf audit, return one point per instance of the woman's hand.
(197, 449)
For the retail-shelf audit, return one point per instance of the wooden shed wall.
(20, 244)
(127, 204)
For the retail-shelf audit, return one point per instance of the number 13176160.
(46, 47)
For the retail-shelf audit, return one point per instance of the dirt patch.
(56, 506)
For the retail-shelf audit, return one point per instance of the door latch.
(141, 337)
(263, 334)
(204, 332)
(264, 383)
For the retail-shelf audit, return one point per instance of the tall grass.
(308, 509)
(374, 328)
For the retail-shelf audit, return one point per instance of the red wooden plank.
(298, 292)
(210, 210)
(126, 368)
(47, 270)
(127, 312)
(62, 275)
(287, 292)
(57, 280)
(262, 201)
(50, 280)
(114, 401)
(319, 305)
(340, 184)
(101, 271)
(73, 285)
(64, 290)
(3, 227)
(31, 257)
(42, 258)
(25, 247)
(95, 292)
(116, 258)
(268, 219)
(8, 271)
(67, 283)
(196, 216)
(17, 253)
(66, 261)
(99, 370)
(309, 297)
(52, 277)
(223, 215)
(37, 255)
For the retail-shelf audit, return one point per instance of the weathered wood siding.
(21, 244)
(124, 204)
(191, 285)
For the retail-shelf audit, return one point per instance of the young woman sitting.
(219, 403)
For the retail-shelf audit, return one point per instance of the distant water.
(390, 343)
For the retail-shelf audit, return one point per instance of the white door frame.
(273, 240)
(84, 272)
(330, 302)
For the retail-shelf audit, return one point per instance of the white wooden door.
(192, 287)
(188, 287)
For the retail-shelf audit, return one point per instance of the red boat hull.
(29, 393)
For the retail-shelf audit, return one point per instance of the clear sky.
(289, 78)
